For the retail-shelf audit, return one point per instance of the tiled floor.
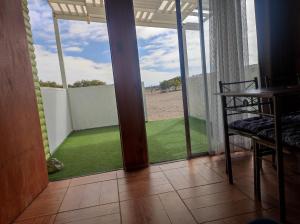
(183, 192)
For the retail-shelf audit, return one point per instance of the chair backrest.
(248, 84)
(240, 102)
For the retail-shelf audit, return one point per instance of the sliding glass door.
(193, 39)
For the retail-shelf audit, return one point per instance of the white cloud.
(79, 30)
(150, 32)
(71, 31)
(162, 52)
(152, 77)
(41, 20)
(73, 49)
(77, 68)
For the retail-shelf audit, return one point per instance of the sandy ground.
(161, 106)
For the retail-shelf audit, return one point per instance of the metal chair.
(255, 106)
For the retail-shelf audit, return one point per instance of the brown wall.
(277, 25)
(22, 160)
(295, 31)
(278, 32)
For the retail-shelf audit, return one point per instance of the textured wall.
(23, 173)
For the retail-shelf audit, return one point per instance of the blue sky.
(87, 54)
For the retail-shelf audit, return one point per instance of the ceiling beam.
(77, 2)
(187, 26)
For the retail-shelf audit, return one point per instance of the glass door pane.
(160, 75)
(196, 77)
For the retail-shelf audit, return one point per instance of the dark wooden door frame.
(128, 85)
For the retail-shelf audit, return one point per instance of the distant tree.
(50, 84)
(173, 84)
(86, 83)
(164, 85)
(176, 83)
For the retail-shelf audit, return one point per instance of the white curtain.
(228, 59)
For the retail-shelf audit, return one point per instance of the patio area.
(99, 150)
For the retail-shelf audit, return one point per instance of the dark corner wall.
(23, 173)
(278, 31)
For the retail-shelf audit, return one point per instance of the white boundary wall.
(195, 91)
(57, 116)
(90, 107)
(93, 107)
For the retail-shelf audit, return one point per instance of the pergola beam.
(150, 13)
(77, 2)
(187, 26)
(60, 54)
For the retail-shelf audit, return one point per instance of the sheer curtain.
(228, 59)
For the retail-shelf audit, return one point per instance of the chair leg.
(257, 166)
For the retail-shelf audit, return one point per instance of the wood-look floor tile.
(245, 218)
(132, 188)
(58, 184)
(200, 160)
(46, 204)
(174, 165)
(148, 196)
(87, 213)
(144, 177)
(216, 222)
(141, 186)
(273, 214)
(214, 199)
(81, 196)
(52, 192)
(88, 195)
(204, 171)
(40, 220)
(135, 185)
(175, 208)
(107, 219)
(143, 172)
(144, 191)
(180, 179)
(109, 192)
(147, 210)
(268, 196)
(93, 178)
(225, 210)
(205, 190)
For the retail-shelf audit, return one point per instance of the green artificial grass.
(99, 150)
